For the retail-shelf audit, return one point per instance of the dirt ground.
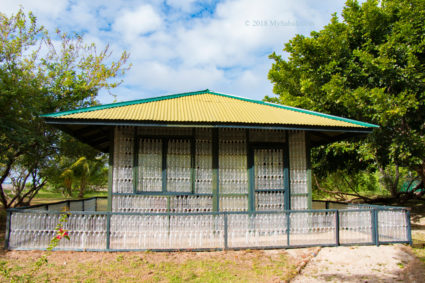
(392, 263)
(387, 263)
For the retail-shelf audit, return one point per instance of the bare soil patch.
(222, 266)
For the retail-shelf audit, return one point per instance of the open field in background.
(48, 196)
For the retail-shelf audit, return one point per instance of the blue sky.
(186, 45)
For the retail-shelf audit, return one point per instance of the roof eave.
(59, 121)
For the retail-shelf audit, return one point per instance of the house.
(206, 151)
(206, 170)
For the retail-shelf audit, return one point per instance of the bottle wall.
(298, 170)
(173, 170)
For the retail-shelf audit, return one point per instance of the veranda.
(205, 170)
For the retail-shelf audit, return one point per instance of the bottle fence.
(121, 231)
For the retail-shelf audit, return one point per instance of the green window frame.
(164, 165)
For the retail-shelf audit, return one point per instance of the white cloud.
(40, 8)
(183, 5)
(133, 23)
(186, 45)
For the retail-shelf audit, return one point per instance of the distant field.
(45, 196)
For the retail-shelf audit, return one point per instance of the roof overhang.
(99, 133)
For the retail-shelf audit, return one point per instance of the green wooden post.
(226, 245)
(215, 173)
(375, 232)
(408, 227)
(286, 174)
(7, 233)
(164, 164)
(288, 227)
(135, 161)
(251, 181)
(192, 162)
(108, 231)
(111, 168)
(309, 178)
(251, 174)
(337, 242)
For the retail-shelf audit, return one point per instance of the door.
(268, 177)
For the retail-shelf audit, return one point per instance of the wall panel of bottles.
(269, 179)
(179, 177)
(203, 166)
(123, 160)
(159, 204)
(298, 170)
(139, 203)
(233, 174)
(150, 165)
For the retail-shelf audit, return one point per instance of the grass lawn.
(229, 266)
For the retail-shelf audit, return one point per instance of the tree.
(39, 76)
(77, 167)
(370, 66)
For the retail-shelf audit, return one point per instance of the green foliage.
(39, 74)
(371, 67)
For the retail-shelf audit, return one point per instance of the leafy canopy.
(41, 73)
(368, 66)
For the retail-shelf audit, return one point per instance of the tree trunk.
(390, 180)
(421, 173)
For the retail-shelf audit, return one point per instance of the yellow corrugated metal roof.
(207, 107)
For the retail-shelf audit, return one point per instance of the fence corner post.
(108, 231)
(226, 243)
(375, 232)
(7, 232)
(288, 227)
(408, 227)
(337, 227)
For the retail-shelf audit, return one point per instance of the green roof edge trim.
(364, 124)
(124, 103)
(165, 97)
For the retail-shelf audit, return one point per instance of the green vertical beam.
(192, 161)
(111, 167)
(108, 231)
(286, 175)
(288, 228)
(215, 173)
(337, 242)
(309, 180)
(251, 175)
(135, 161)
(7, 233)
(374, 218)
(226, 235)
(408, 227)
(164, 164)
